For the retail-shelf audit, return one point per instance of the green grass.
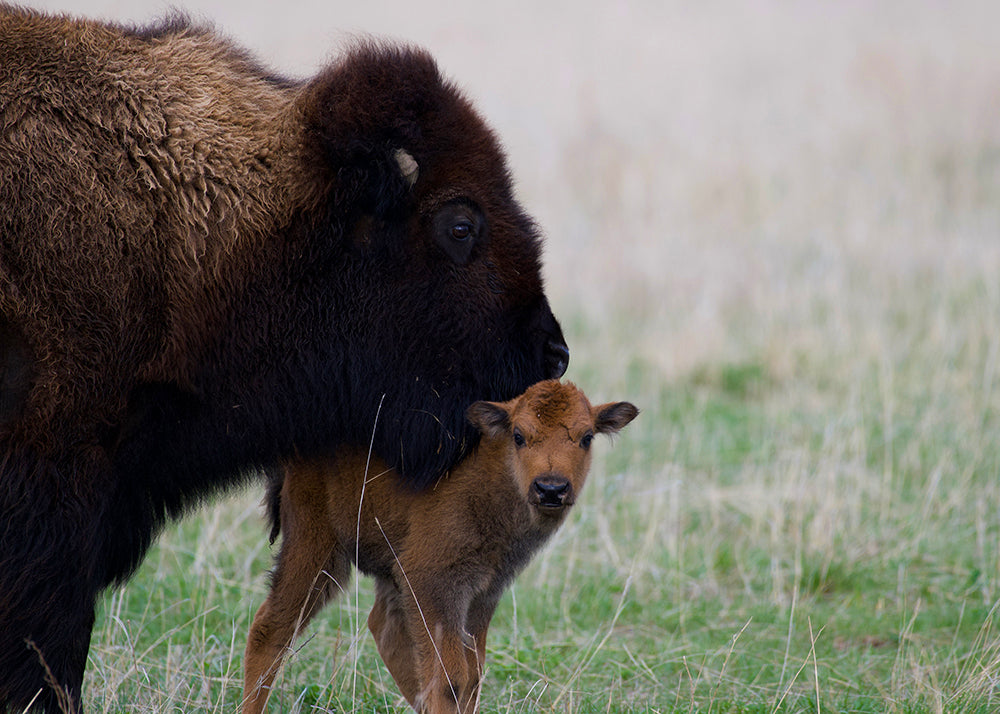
(790, 261)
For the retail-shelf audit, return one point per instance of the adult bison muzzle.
(206, 268)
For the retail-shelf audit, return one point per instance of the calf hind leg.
(299, 591)
(311, 569)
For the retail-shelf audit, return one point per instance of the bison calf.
(441, 558)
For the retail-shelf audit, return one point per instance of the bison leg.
(49, 581)
(436, 614)
(477, 624)
(44, 654)
(311, 569)
(387, 622)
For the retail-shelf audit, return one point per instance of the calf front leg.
(478, 624)
(445, 653)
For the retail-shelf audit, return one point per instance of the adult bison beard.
(419, 427)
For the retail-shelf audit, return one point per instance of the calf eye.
(585, 441)
(518, 438)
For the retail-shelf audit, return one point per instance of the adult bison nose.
(556, 357)
(551, 492)
(554, 353)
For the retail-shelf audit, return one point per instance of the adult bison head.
(407, 285)
(436, 265)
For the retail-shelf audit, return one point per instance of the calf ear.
(489, 417)
(611, 417)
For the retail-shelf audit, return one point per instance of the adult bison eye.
(459, 230)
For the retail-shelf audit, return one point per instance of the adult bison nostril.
(551, 492)
(556, 358)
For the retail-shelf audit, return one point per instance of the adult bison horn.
(407, 166)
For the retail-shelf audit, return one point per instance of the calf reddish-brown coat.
(205, 269)
(442, 558)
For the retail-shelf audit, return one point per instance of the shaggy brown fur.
(206, 269)
(441, 559)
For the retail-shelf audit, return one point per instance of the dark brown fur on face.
(205, 270)
(441, 559)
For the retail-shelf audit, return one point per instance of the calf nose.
(551, 491)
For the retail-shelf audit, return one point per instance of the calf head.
(547, 433)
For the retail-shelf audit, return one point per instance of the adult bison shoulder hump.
(206, 268)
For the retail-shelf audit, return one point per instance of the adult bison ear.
(364, 120)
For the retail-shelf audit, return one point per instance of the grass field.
(775, 229)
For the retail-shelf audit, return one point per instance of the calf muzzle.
(551, 492)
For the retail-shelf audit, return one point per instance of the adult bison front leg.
(51, 542)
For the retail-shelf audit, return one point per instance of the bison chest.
(478, 545)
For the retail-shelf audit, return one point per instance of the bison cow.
(441, 558)
(206, 268)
